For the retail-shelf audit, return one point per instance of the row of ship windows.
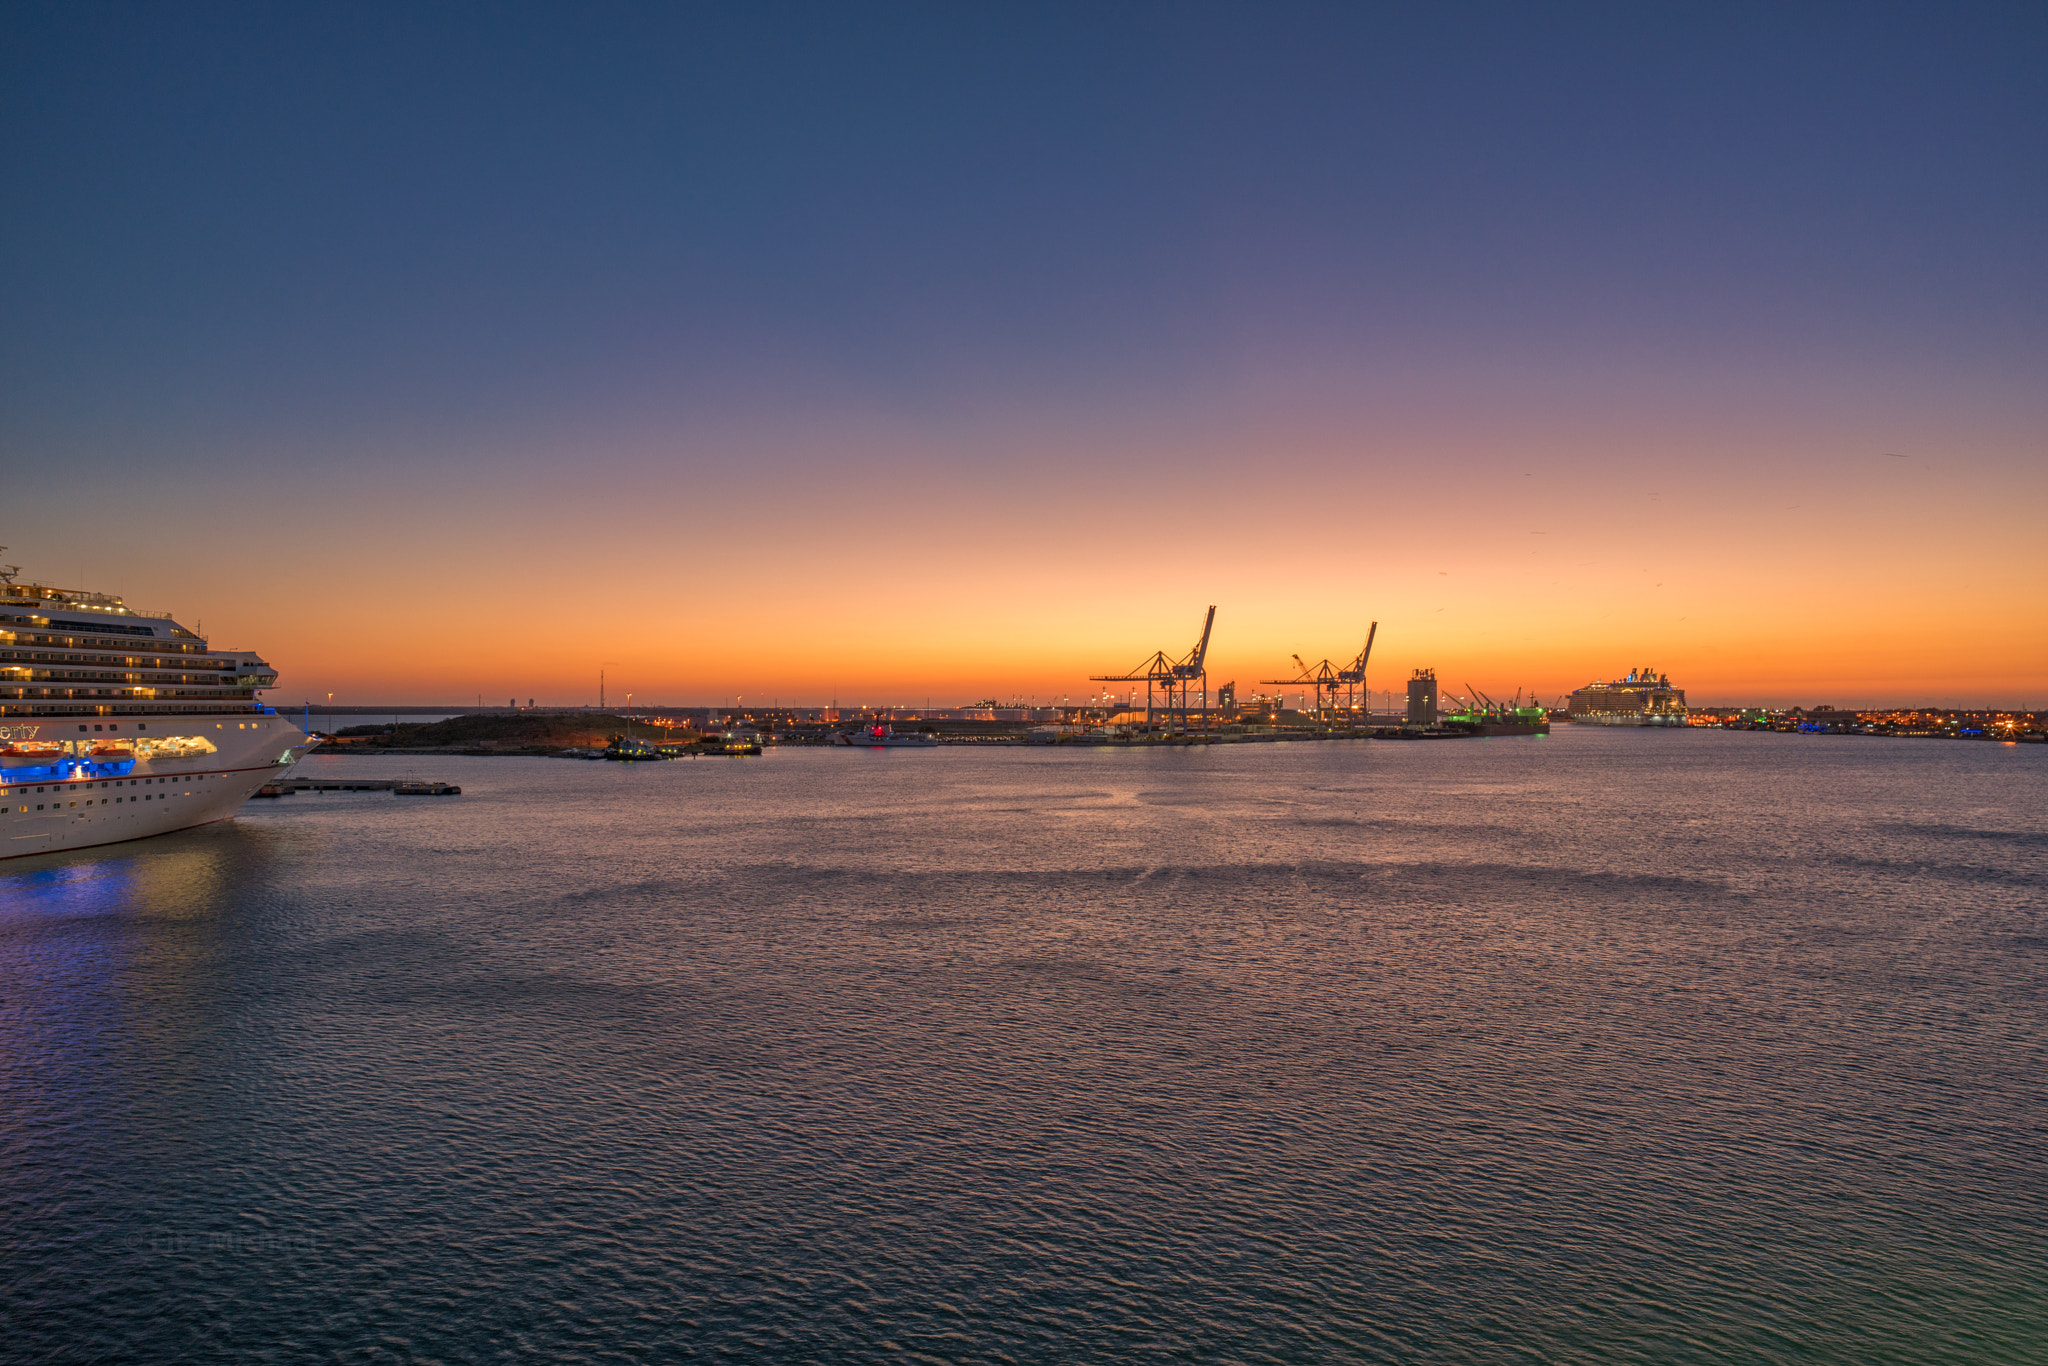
(199, 680)
(74, 643)
(104, 801)
(165, 691)
(214, 704)
(127, 661)
(134, 661)
(91, 628)
(204, 687)
(123, 782)
(218, 725)
(139, 667)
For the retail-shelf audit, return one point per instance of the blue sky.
(254, 249)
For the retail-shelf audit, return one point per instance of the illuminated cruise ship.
(1643, 697)
(117, 724)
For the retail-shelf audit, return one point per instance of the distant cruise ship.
(1643, 698)
(117, 724)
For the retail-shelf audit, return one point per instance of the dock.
(398, 786)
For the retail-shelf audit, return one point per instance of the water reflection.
(1651, 1048)
(118, 967)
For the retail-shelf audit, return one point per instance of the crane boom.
(1155, 667)
(1201, 651)
(1355, 671)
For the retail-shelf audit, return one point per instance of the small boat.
(886, 737)
(632, 750)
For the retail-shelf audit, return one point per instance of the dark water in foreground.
(1612, 1046)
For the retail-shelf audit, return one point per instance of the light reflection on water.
(1615, 1045)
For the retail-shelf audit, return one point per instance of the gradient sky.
(886, 353)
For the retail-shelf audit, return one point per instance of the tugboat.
(631, 750)
(742, 740)
(883, 736)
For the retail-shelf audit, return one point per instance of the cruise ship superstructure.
(1642, 697)
(117, 724)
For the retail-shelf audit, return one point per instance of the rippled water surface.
(1614, 1045)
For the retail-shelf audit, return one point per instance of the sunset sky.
(905, 352)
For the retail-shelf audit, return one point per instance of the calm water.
(1611, 1046)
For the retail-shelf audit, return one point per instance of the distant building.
(1422, 698)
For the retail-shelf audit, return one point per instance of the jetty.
(403, 787)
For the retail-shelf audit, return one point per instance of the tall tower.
(1422, 698)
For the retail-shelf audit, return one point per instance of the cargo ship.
(1481, 715)
(117, 724)
(1642, 697)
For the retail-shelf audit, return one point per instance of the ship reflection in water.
(1284, 1052)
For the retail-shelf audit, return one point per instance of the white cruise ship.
(117, 724)
(1643, 697)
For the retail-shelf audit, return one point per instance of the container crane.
(1328, 681)
(1316, 678)
(1352, 676)
(1176, 678)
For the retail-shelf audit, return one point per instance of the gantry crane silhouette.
(1176, 677)
(1328, 680)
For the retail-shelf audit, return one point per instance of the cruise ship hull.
(70, 782)
(1658, 719)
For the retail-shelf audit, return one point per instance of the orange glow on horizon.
(1847, 585)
